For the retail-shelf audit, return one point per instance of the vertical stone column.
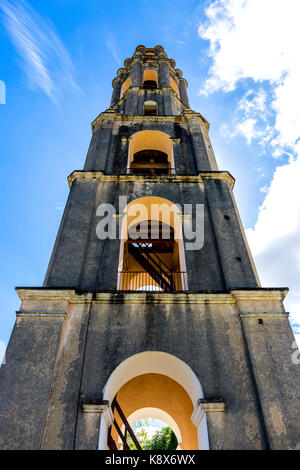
(183, 92)
(235, 257)
(270, 346)
(97, 420)
(137, 73)
(176, 155)
(116, 92)
(210, 416)
(200, 152)
(62, 407)
(107, 420)
(163, 74)
(199, 420)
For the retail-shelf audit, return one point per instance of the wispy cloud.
(44, 57)
(112, 46)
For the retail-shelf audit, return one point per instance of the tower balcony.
(143, 281)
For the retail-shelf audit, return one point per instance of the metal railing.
(127, 430)
(144, 282)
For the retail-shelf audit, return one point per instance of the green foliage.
(164, 439)
(141, 436)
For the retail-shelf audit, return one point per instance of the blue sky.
(58, 59)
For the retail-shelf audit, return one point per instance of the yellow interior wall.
(174, 85)
(125, 86)
(159, 391)
(150, 75)
(139, 210)
(151, 140)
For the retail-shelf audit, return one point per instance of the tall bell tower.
(151, 305)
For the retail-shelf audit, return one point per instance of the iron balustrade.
(143, 281)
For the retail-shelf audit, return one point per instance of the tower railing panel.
(145, 282)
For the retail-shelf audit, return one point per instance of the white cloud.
(112, 46)
(258, 41)
(246, 128)
(44, 57)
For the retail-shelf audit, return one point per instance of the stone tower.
(151, 294)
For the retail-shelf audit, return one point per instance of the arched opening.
(150, 162)
(158, 385)
(150, 108)
(152, 254)
(150, 152)
(156, 414)
(174, 86)
(125, 86)
(150, 79)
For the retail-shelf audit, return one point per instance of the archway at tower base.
(162, 382)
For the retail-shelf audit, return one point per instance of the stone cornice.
(206, 406)
(115, 116)
(101, 177)
(213, 406)
(162, 299)
(103, 408)
(34, 314)
(57, 295)
(263, 315)
(130, 297)
(95, 409)
(246, 295)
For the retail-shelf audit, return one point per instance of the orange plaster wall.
(150, 75)
(125, 86)
(151, 140)
(174, 86)
(159, 391)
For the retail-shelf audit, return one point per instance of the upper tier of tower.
(151, 75)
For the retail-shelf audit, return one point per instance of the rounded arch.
(155, 362)
(150, 75)
(163, 364)
(151, 208)
(156, 413)
(151, 140)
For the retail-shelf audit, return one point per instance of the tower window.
(150, 108)
(150, 85)
(150, 162)
(150, 80)
(151, 258)
(150, 152)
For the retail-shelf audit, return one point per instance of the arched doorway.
(159, 380)
(152, 256)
